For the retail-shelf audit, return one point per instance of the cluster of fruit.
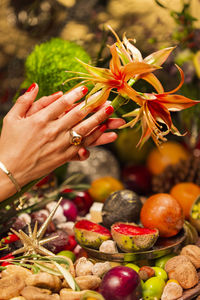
(128, 223)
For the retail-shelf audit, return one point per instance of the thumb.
(24, 102)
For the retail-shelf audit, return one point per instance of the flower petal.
(115, 64)
(159, 111)
(153, 80)
(180, 84)
(159, 57)
(135, 53)
(97, 72)
(126, 90)
(98, 99)
(136, 68)
(176, 102)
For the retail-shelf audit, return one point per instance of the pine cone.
(184, 171)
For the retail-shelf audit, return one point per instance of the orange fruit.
(185, 193)
(169, 153)
(163, 212)
(102, 187)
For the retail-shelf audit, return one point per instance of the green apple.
(160, 272)
(133, 266)
(160, 262)
(68, 254)
(153, 288)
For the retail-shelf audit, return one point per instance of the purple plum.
(121, 283)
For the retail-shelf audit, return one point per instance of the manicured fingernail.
(103, 128)
(31, 87)
(109, 110)
(56, 93)
(84, 152)
(84, 90)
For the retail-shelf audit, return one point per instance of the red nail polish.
(109, 110)
(31, 88)
(84, 152)
(103, 128)
(55, 93)
(84, 90)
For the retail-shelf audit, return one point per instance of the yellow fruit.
(169, 153)
(102, 187)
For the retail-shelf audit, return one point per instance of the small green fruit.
(160, 262)
(153, 288)
(133, 266)
(68, 254)
(160, 272)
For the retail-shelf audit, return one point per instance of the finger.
(105, 138)
(97, 118)
(24, 102)
(55, 109)
(94, 135)
(114, 123)
(43, 102)
(82, 155)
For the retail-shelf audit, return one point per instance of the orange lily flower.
(116, 77)
(155, 111)
(126, 67)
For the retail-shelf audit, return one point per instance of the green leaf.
(47, 269)
(68, 277)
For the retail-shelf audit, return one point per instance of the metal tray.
(162, 247)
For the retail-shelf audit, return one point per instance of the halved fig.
(90, 234)
(131, 238)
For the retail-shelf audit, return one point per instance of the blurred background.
(23, 24)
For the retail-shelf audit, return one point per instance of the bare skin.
(35, 137)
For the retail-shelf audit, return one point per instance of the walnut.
(83, 267)
(173, 262)
(108, 247)
(99, 269)
(193, 253)
(185, 274)
(44, 280)
(172, 291)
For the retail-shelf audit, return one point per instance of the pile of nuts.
(182, 270)
(19, 283)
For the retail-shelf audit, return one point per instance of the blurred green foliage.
(47, 65)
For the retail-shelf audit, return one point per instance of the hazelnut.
(193, 253)
(186, 275)
(172, 291)
(173, 262)
(146, 272)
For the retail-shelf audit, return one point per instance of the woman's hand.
(32, 145)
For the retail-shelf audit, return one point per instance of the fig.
(121, 206)
(90, 234)
(130, 238)
(121, 283)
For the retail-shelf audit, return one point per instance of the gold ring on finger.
(75, 138)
